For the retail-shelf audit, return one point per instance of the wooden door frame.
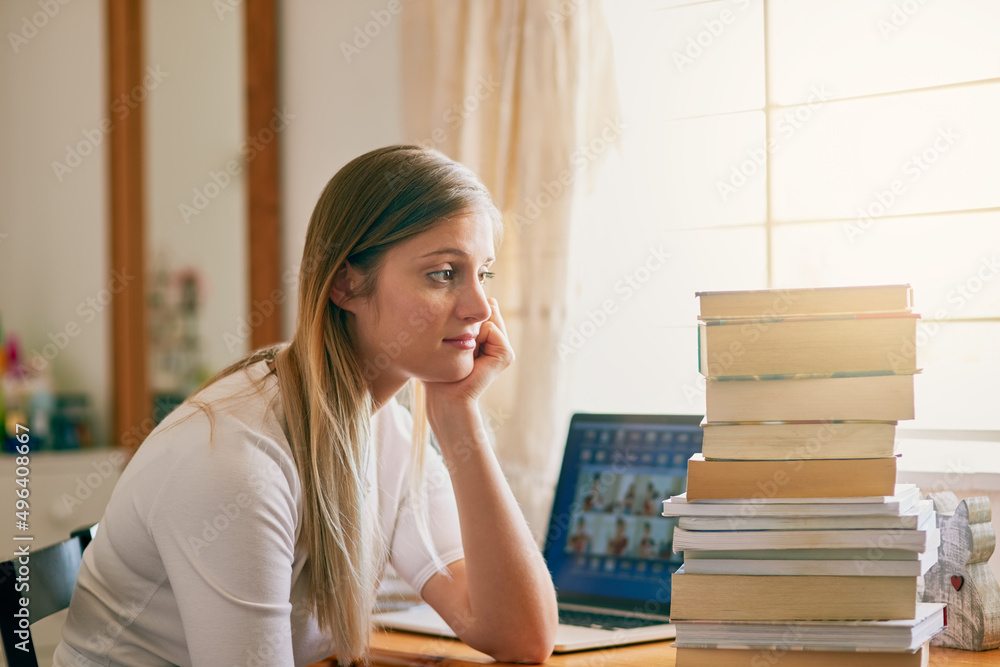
(132, 408)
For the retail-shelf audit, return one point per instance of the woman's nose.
(473, 305)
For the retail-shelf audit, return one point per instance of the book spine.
(785, 348)
(907, 522)
(792, 478)
(866, 555)
(775, 598)
(834, 568)
(701, 351)
(828, 317)
(905, 539)
(810, 376)
(728, 657)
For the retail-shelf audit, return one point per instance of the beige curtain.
(523, 92)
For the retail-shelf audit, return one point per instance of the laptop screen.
(608, 543)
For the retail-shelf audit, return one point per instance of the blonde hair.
(374, 202)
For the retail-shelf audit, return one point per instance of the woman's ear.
(345, 283)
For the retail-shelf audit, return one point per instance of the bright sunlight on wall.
(796, 143)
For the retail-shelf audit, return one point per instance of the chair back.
(36, 584)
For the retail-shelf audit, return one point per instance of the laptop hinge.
(612, 612)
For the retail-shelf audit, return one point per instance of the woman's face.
(428, 306)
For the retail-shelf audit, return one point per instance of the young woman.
(253, 524)
(618, 543)
(579, 542)
(647, 545)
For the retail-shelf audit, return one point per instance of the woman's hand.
(492, 355)
(500, 598)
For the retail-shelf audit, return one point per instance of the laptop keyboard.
(587, 619)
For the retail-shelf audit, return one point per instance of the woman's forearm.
(509, 588)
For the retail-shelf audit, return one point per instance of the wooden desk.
(402, 649)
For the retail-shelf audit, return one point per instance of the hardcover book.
(724, 597)
(799, 440)
(859, 343)
(707, 657)
(817, 478)
(885, 396)
(805, 301)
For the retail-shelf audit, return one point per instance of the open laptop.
(608, 547)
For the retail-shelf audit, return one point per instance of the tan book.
(799, 440)
(725, 597)
(834, 568)
(835, 344)
(733, 540)
(885, 397)
(818, 478)
(805, 301)
(744, 657)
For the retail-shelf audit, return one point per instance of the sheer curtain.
(523, 92)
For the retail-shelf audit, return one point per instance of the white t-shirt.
(196, 560)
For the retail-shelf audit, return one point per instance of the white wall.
(53, 247)
(195, 124)
(342, 108)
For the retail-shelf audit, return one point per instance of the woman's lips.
(464, 342)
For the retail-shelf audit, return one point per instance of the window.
(792, 143)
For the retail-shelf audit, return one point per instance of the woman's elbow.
(540, 650)
(524, 651)
(533, 644)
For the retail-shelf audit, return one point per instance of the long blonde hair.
(374, 202)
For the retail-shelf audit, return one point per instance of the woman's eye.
(442, 276)
(448, 275)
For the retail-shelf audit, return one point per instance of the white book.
(905, 636)
(805, 554)
(730, 540)
(906, 499)
(915, 518)
(901, 491)
(877, 553)
(833, 568)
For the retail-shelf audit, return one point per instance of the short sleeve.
(409, 555)
(224, 525)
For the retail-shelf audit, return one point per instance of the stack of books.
(799, 547)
